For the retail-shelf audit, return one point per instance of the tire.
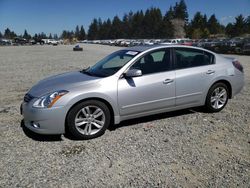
(238, 50)
(217, 49)
(88, 119)
(217, 97)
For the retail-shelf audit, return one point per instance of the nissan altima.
(131, 83)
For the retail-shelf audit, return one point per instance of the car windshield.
(111, 64)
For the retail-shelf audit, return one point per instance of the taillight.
(238, 66)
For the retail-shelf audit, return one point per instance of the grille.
(28, 97)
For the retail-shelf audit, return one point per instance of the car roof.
(148, 47)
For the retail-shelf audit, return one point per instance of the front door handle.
(168, 81)
(210, 72)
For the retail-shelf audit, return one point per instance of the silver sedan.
(131, 83)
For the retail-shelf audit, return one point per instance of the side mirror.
(133, 73)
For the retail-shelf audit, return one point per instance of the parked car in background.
(246, 46)
(234, 45)
(36, 41)
(186, 42)
(148, 42)
(131, 83)
(216, 45)
(170, 41)
(52, 42)
(125, 43)
(5, 42)
(183, 41)
(20, 41)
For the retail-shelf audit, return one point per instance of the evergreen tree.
(167, 27)
(43, 36)
(170, 13)
(156, 22)
(147, 22)
(180, 11)
(213, 25)
(152, 23)
(35, 37)
(127, 25)
(239, 26)
(198, 26)
(205, 20)
(50, 36)
(1, 35)
(248, 24)
(77, 32)
(93, 30)
(205, 33)
(116, 29)
(64, 34)
(82, 34)
(137, 24)
(26, 35)
(55, 37)
(230, 29)
(104, 32)
(8, 34)
(198, 21)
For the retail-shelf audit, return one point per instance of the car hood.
(63, 81)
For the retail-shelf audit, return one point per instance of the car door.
(195, 70)
(154, 90)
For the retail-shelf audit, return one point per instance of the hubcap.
(89, 120)
(218, 98)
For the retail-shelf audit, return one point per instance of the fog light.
(35, 124)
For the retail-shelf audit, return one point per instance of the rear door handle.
(168, 81)
(210, 72)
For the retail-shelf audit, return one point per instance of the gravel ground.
(186, 148)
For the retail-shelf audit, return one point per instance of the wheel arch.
(227, 83)
(112, 113)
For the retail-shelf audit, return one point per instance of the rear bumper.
(43, 121)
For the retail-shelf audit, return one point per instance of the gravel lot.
(186, 148)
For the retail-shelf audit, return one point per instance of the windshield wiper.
(85, 71)
(88, 73)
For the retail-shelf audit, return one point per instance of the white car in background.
(50, 41)
(172, 41)
(53, 42)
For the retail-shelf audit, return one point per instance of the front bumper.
(44, 120)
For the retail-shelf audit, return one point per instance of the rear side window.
(187, 58)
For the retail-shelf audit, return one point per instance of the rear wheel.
(217, 97)
(88, 119)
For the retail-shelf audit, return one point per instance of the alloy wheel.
(90, 120)
(218, 98)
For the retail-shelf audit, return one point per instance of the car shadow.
(39, 137)
(132, 122)
(154, 117)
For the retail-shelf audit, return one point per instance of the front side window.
(187, 58)
(153, 62)
(112, 63)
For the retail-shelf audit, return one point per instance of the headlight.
(48, 100)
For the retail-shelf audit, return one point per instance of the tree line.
(151, 23)
(154, 24)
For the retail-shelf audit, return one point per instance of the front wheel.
(88, 119)
(217, 97)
